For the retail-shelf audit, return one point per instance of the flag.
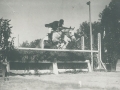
(88, 3)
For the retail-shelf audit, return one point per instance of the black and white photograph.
(59, 44)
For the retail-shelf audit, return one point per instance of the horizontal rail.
(52, 62)
(63, 50)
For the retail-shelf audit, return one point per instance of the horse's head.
(71, 34)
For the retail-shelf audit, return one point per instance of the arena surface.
(65, 81)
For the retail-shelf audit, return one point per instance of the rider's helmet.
(61, 22)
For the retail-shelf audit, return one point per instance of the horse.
(61, 38)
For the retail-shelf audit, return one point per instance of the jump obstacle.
(90, 66)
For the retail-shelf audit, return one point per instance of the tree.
(6, 45)
(85, 30)
(110, 20)
(33, 44)
(25, 44)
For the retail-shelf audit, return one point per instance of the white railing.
(63, 50)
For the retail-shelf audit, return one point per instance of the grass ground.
(69, 81)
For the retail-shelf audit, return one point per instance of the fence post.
(99, 52)
(42, 43)
(89, 66)
(55, 67)
(82, 43)
(99, 49)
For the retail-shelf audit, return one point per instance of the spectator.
(5, 69)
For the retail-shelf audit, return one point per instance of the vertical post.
(55, 67)
(93, 39)
(99, 52)
(18, 40)
(100, 44)
(99, 49)
(42, 43)
(89, 66)
(89, 3)
(83, 43)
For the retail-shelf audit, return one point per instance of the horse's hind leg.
(50, 36)
(64, 45)
(59, 46)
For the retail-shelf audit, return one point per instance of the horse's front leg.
(64, 45)
(66, 41)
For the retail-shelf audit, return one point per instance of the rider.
(55, 26)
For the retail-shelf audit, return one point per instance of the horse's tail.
(47, 25)
(51, 38)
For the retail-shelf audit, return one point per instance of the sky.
(28, 17)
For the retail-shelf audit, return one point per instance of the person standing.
(5, 69)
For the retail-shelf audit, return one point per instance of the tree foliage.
(85, 30)
(36, 56)
(25, 44)
(110, 20)
(33, 44)
(6, 44)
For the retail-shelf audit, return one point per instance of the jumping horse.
(61, 38)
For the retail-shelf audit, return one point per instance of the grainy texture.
(89, 81)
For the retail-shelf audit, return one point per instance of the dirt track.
(89, 81)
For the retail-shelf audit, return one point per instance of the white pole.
(91, 36)
(83, 43)
(89, 3)
(100, 45)
(61, 50)
(42, 43)
(99, 52)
